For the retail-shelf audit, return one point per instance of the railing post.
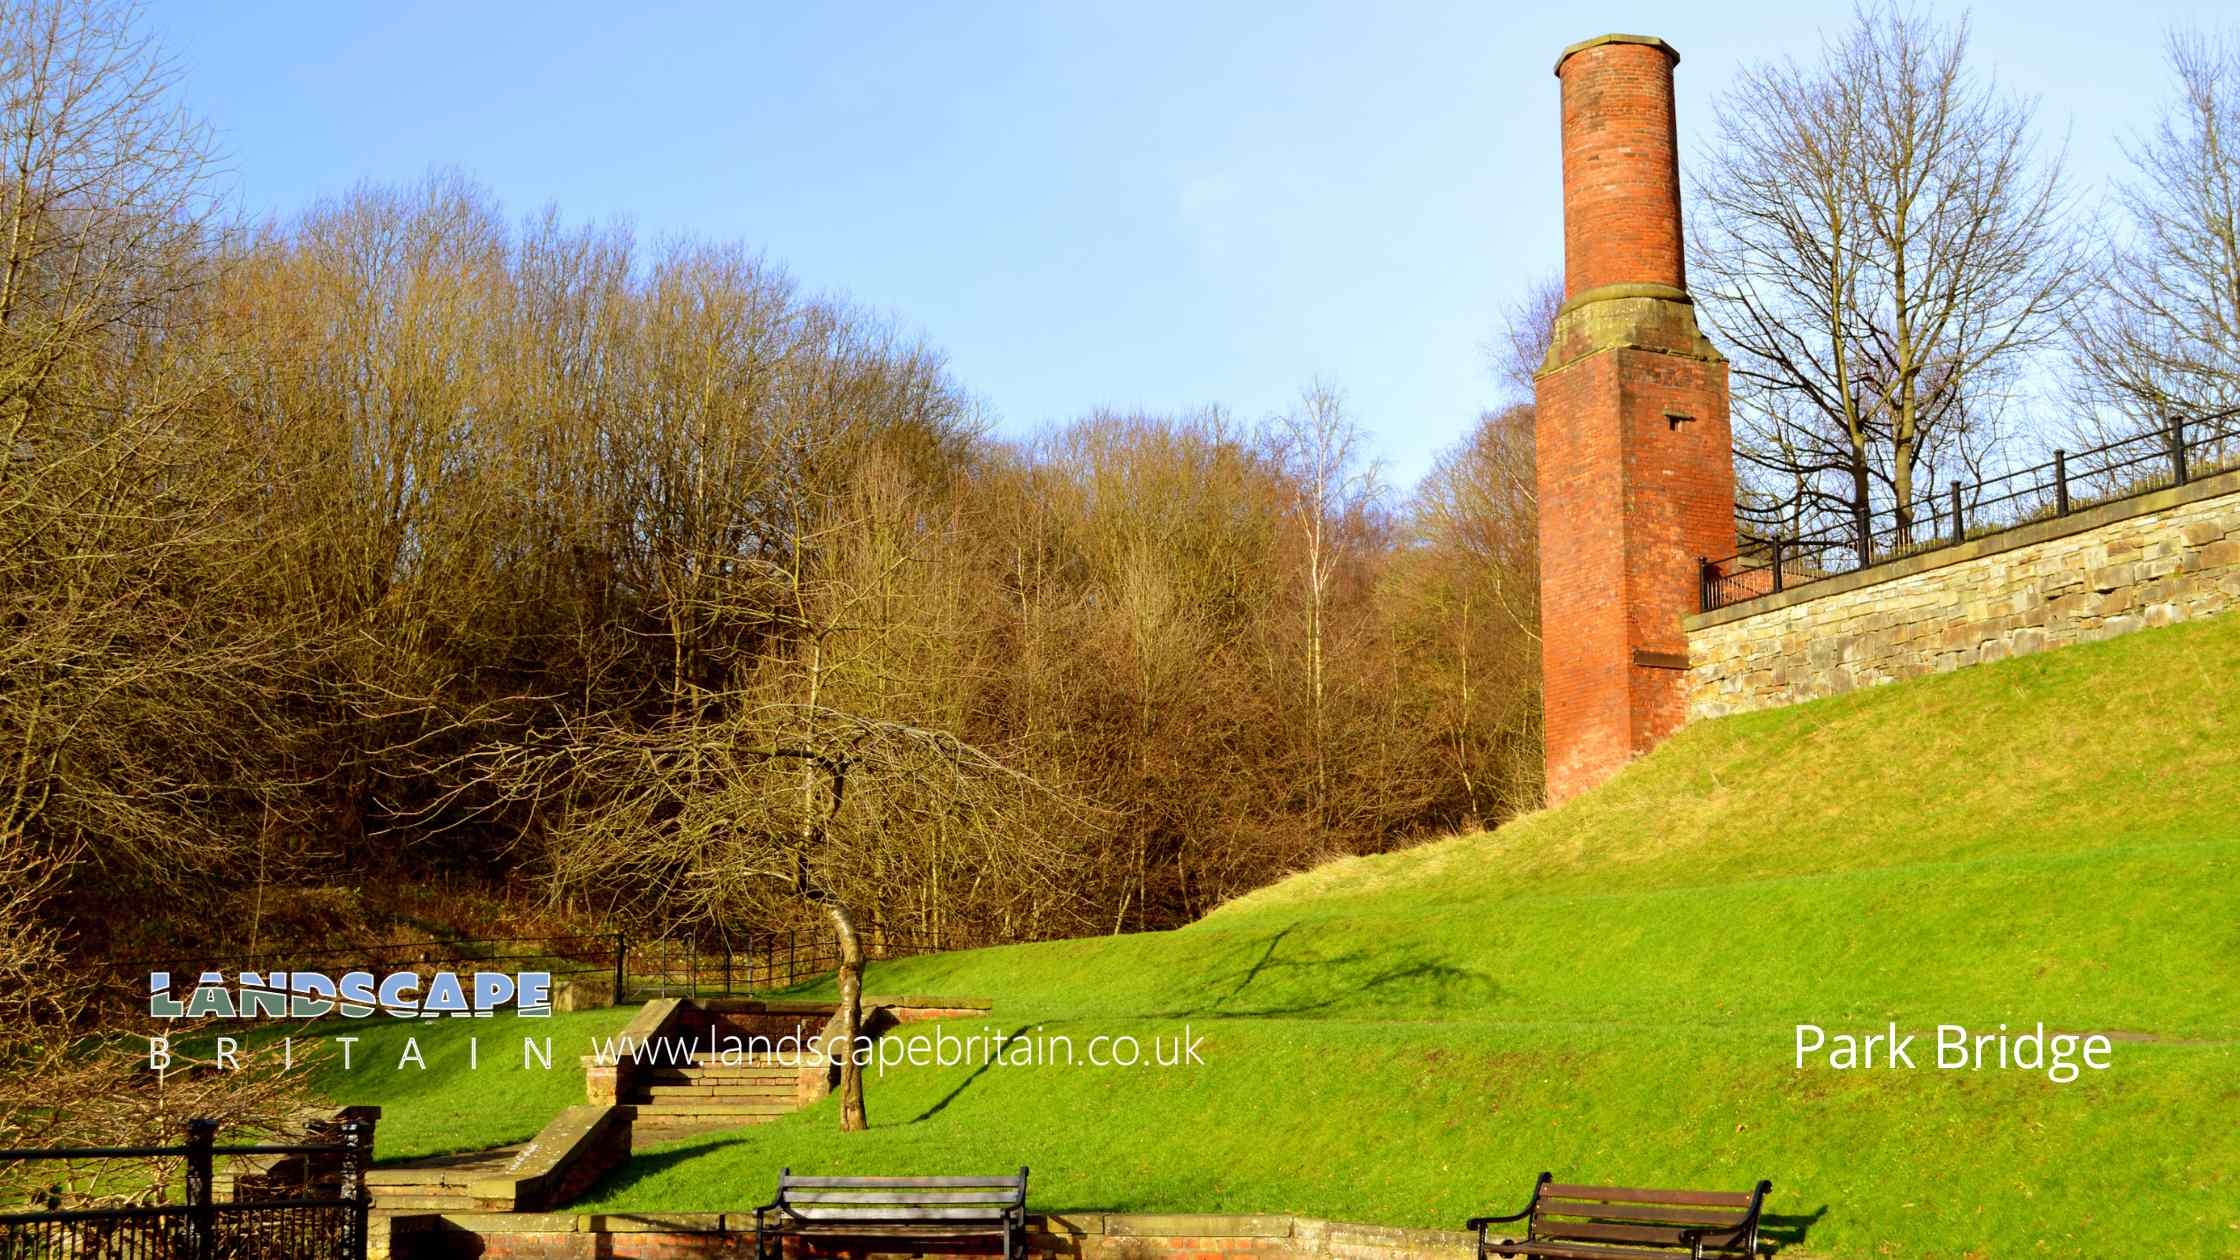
(1863, 521)
(1704, 599)
(1777, 566)
(621, 944)
(202, 1214)
(354, 1160)
(2178, 448)
(727, 966)
(1959, 528)
(2060, 482)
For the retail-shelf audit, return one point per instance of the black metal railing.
(323, 1223)
(673, 967)
(1781, 560)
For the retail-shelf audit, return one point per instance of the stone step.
(744, 1093)
(420, 1203)
(419, 1180)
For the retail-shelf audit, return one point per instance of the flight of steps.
(703, 1095)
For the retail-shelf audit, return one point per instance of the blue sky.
(1133, 205)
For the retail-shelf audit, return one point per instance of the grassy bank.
(1611, 989)
(447, 1085)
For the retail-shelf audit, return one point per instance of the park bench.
(878, 1207)
(1614, 1222)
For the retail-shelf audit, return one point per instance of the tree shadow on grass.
(641, 1166)
(1307, 983)
(942, 1104)
(1362, 972)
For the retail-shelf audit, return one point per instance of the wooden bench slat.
(1631, 1194)
(903, 1194)
(1651, 1235)
(896, 1216)
(789, 1180)
(1572, 1251)
(1637, 1212)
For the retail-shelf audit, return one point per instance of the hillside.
(1610, 990)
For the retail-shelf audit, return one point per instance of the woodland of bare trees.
(404, 538)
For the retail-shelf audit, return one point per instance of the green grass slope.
(1610, 990)
(444, 1085)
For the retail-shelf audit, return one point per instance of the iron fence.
(674, 967)
(2183, 451)
(263, 1225)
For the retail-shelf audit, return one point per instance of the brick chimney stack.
(1635, 460)
(1621, 165)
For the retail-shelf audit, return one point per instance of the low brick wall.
(2160, 558)
(1055, 1236)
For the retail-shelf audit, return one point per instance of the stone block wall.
(1056, 1236)
(2149, 561)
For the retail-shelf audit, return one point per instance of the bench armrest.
(1479, 1223)
(777, 1197)
(1747, 1225)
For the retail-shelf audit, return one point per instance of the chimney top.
(1599, 40)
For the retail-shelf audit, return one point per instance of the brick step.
(733, 1061)
(666, 1110)
(744, 1093)
(785, 1079)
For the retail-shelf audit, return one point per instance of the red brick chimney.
(1636, 470)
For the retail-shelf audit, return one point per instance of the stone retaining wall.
(1055, 1236)
(2159, 558)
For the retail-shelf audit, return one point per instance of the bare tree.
(1474, 587)
(1880, 246)
(774, 807)
(2162, 336)
(1527, 325)
(1318, 445)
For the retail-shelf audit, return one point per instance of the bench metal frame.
(947, 1207)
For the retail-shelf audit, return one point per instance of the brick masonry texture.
(1634, 457)
(2163, 558)
(1621, 168)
